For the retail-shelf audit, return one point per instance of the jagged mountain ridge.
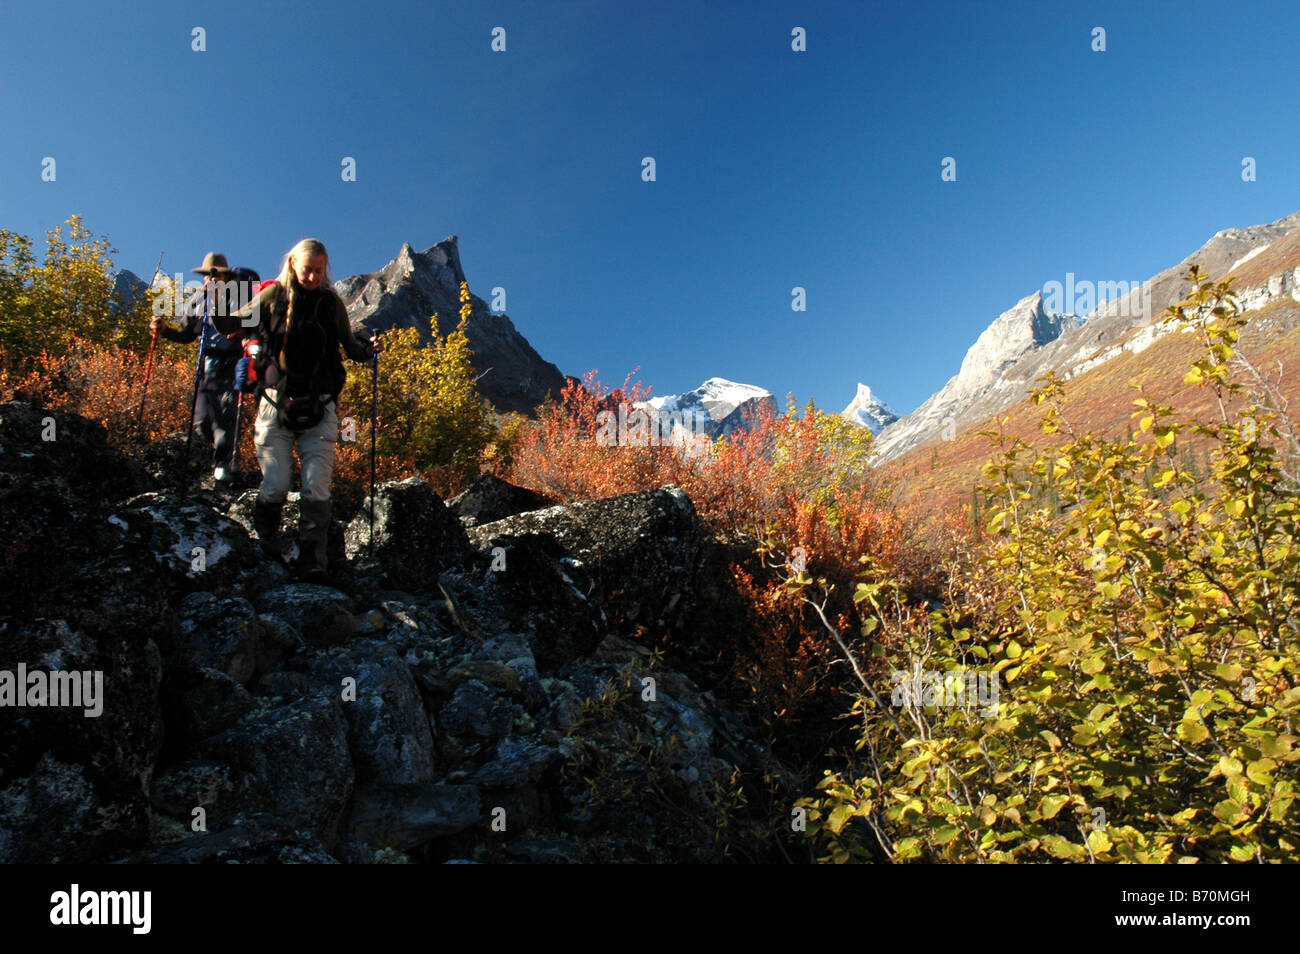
(1018, 347)
(415, 285)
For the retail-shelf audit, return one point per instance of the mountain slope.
(1099, 397)
(1018, 347)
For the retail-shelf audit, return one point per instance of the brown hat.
(210, 261)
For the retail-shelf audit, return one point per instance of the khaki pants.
(275, 453)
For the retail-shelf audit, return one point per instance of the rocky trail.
(483, 689)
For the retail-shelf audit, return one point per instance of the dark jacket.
(220, 351)
(305, 357)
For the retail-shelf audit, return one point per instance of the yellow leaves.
(1099, 841)
(1192, 729)
(1050, 805)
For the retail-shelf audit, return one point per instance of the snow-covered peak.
(724, 405)
(867, 410)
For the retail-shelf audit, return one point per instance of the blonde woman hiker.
(301, 324)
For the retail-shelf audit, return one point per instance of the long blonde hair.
(305, 248)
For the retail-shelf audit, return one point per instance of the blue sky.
(774, 168)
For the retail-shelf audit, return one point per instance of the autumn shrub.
(432, 420)
(105, 383)
(1138, 636)
(67, 296)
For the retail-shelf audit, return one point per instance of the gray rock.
(221, 634)
(516, 763)
(477, 710)
(198, 547)
(624, 564)
(490, 498)
(292, 762)
(255, 839)
(554, 851)
(322, 615)
(74, 786)
(406, 817)
(416, 536)
(388, 728)
(198, 702)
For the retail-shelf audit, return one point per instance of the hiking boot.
(266, 521)
(313, 536)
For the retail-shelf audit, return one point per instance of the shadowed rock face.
(351, 722)
(415, 285)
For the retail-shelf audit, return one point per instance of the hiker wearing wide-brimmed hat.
(214, 265)
(215, 398)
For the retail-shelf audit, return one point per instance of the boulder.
(255, 839)
(477, 711)
(388, 729)
(408, 816)
(198, 547)
(631, 560)
(221, 634)
(416, 536)
(39, 444)
(320, 614)
(198, 702)
(291, 762)
(490, 498)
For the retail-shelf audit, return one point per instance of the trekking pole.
(194, 402)
(153, 341)
(374, 423)
(234, 434)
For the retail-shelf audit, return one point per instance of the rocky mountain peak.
(867, 410)
(412, 287)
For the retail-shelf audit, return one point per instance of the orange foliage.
(106, 384)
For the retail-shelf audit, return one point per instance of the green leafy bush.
(1142, 628)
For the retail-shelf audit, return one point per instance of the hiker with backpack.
(215, 401)
(300, 325)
